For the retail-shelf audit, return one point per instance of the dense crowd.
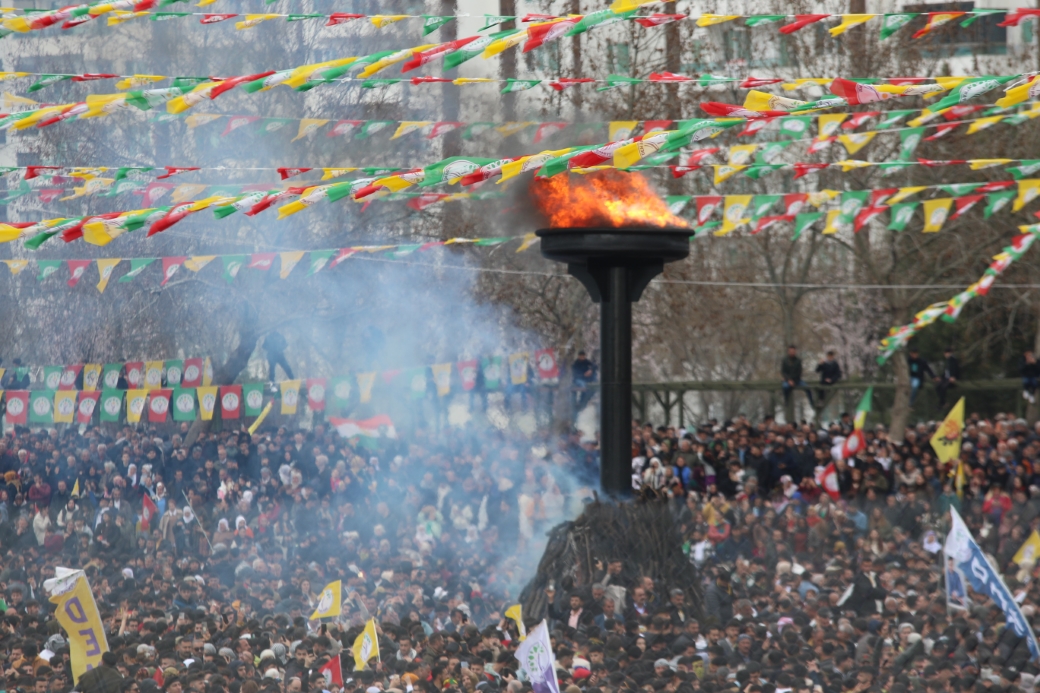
(433, 537)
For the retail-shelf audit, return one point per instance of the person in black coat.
(830, 373)
(718, 600)
(103, 679)
(919, 370)
(867, 594)
(1030, 376)
(274, 345)
(951, 373)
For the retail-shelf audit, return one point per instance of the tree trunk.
(901, 405)
(1033, 411)
(507, 60)
(577, 96)
(451, 212)
(673, 64)
(232, 367)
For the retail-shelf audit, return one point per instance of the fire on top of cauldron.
(602, 199)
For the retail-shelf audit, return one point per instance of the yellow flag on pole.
(366, 645)
(515, 613)
(78, 615)
(330, 602)
(947, 439)
(1028, 553)
(260, 419)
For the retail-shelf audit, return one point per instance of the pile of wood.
(644, 534)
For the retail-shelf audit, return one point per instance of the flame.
(603, 198)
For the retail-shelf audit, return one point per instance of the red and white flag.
(333, 673)
(827, 479)
(148, 510)
(87, 403)
(231, 401)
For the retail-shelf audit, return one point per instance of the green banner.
(111, 405)
(41, 406)
(253, 396)
(184, 404)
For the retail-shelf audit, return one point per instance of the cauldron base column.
(615, 266)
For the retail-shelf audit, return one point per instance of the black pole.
(615, 410)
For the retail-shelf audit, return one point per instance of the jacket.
(791, 368)
(102, 679)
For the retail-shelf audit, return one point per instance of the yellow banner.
(135, 404)
(64, 406)
(153, 375)
(366, 646)
(365, 381)
(442, 378)
(330, 602)
(207, 401)
(947, 439)
(290, 395)
(1027, 191)
(518, 368)
(78, 615)
(621, 129)
(935, 214)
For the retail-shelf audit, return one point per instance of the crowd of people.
(434, 536)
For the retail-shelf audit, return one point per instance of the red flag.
(342, 255)
(937, 19)
(416, 81)
(996, 185)
(232, 82)
(827, 479)
(170, 265)
(879, 196)
(657, 19)
(343, 127)
(428, 56)
(159, 405)
(548, 368)
(765, 222)
(963, 204)
(76, 232)
(192, 376)
(467, 374)
(342, 18)
(17, 406)
(34, 171)
(174, 170)
(446, 126)
(804, 169)
(547, 130)
(754, 82)
(261, 261)
(91, 76)
(858, 119)
(752, 127)
(865, 215)
(148, 510)
(853, 444)
(236, 122)
(230, 401)
(76, 270)
(680, 171)
(316, 394)
(669, 77)
(728, 110)
(793, 204)
(942, 131)
(540, 34)
(159, 678)
(651, 126)
(564, 82)
(421, 202)
(176, 214)
(87, 403)
(134, 374)
(706, 206)
(801, 21)
(48, 195)
(68, 377)
(287, 173)
(936, 163)
(214, 18)
(1015, 16)
(332, 672)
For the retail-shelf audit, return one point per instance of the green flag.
(803, 221)
(891, 23)
(492, 369)
(52, 376)
(892, 118)
(47, 268)
(969, 89)
(615, 81)
(1025, 168)
(901, 214)
(757, 171)
(41, 406)
(174, 371)
(253, 396)
(232, 265)
(184, 404)
(853, 201)
(47, 80)
(474, 48)
(598, 18)
(371, 127)
(769, 152)
(137, 266)
(319, 258)
(417, 383)
(761, 205)
(764, 19)
(959, 189)
(111, 405)
(677, 203)
(432, 23)
(997, 201)
(340, 393)
(301, 17)
(514, 85)
(908, 141)
(795, 126)
(451, 169)
(110, 376)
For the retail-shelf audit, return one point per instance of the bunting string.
(120, 375)
(232, 264)
(540, 29)
(950, 310)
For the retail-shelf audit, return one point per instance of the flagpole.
(196, 516)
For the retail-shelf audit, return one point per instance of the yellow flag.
(1016, 95)
(138, 81)
(848, 21)
(529, 240)
(442, 378)
(186, 191)
(197, 262)
(64, 406)
(290, 395)
(741, 154)
(135, 405)
(120, 16)
(289, 261)
(260, 419)
(935, 214)
(381, 20)
(393, 59)
(829, 123)
(365, 382)
(724, 172)
(856, 141)
(330, 602)
(366, 646)
(621, 129)
(510, 129)
(78, 615)
(9, 233)
(105, 268)
(947, 439)
(16, 266)
(1029, 551)
(764, 101)
(153, 374)
(1028, 189)
(252, 20)
(801, 82)
(91, 376)
(458, 81)
(307, 126)
(835, 222)
(620, 6)
(979, 164)
(713, 19)
(515, 613)
(75, 489)
(983, 123)
(734, 207)
(207, 401)
(904, 193)
(409, 126)
(197, 119)
(330, 173)
(504, 43)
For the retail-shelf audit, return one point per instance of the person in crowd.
(951, 373)
(791, 375)
(919, 370)
(583, 374)
(1030, 371)
(830, 372)
(275, 346)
